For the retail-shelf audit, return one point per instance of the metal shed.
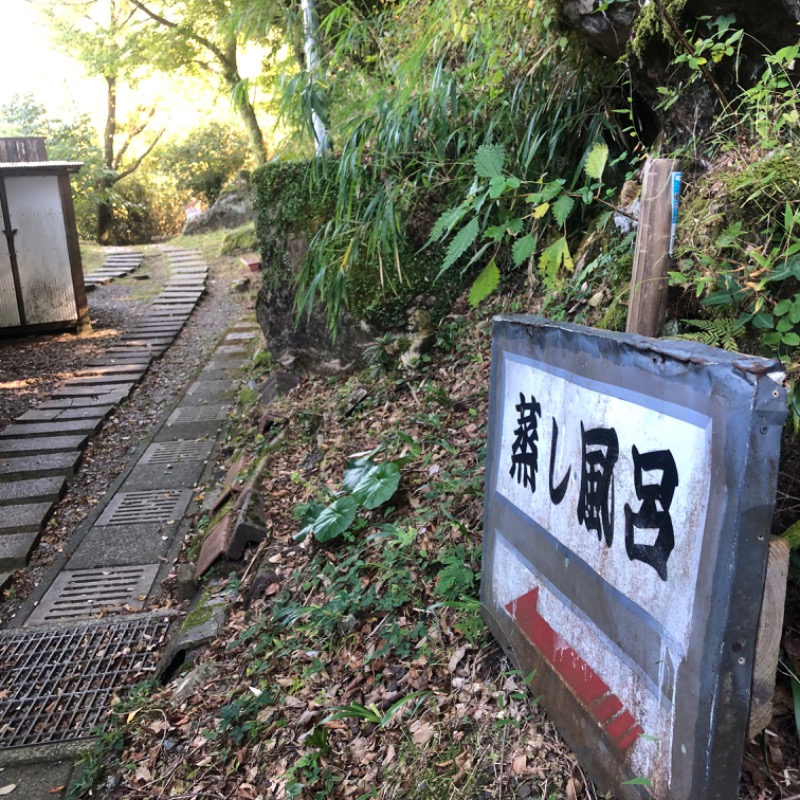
(41, 277)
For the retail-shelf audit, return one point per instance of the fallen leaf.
(456, 657)
(8, 789)
(57, 789)
(573, 789)
(519, 765)
(422, 732)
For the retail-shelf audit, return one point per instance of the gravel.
(30, 368)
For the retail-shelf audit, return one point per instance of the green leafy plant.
(366, 483)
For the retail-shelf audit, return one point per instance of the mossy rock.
(239, 240)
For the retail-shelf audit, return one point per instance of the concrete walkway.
(85, 633)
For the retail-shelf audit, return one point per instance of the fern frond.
(720, 332)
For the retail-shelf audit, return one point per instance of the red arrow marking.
(589, 687)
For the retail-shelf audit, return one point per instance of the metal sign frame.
(729, 409)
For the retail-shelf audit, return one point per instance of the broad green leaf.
(552, 190)
(333, 521)
(497, 186)
(484, 284)
(372, 484)
(512, 182)
(495, 232)
(783, 308)
(791, 339)
(523, 249)
(596, 161)
(489, 160)
(562, 209)
(460, 244)
(541, 210)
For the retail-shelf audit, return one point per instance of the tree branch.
(136, 164)
(168, 23)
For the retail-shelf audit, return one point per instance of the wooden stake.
(768, 640)
(647, 308)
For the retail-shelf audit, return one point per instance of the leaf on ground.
(333, 521)
(8, 788)
(372, 484)
(422, 732)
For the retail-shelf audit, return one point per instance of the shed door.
(45, 276)
(9, 310)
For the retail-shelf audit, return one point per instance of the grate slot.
(143, 507)
(198, 414)
(56, 684)
(171, 452)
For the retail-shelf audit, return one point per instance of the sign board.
(630, 487)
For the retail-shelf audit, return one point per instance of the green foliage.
(423, 103)
(366, 483)
(484, 284)
(206, 159)
(719, 332)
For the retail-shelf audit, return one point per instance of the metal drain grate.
(198, 414)
(170, 452)
(154, 505)
(77, 594)
(56, 685)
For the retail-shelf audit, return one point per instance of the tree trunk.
(105, 213)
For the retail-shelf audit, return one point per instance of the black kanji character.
(524, 454)
(654, 511)
(557, 492)
(600, 450)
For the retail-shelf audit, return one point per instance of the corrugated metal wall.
(46, 280)
(9, 313)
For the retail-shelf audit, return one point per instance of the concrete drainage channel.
(60, 666)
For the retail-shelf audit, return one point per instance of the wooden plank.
(22, 148)
(647, 306)
(768, 640)
(74, 251)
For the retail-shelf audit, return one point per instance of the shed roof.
(39, 167)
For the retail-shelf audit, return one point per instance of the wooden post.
(768, 640)
(647, 307)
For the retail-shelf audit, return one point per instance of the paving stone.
(158, 336)
(24, 518)
(231, 363)
(36, 415)
(180, 475)
(104, 380)
(15, 548)
(160, 341)
(36, 429)
(185, 281)
(40, 466)
(230, 350)
(88, 412)
(205, 391)
(122, 545)
(33, 490)
(46, 444)
(95, 390)
(44, 415)
(243, 336)
(37, 781)
(220, 374)
(190, 422)
(137, 351)
(83, 402)
(117, 369)
(116, 359)
(183, 303)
